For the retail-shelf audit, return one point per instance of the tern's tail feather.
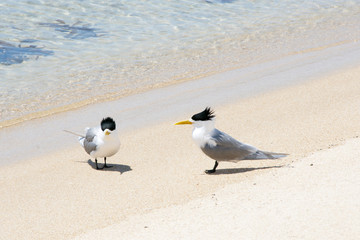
(81, 140)
(76, 134)
(81, 137)
(265, 155)
(273, 155)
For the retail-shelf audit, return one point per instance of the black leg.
(97, 165)
(106, 166)
(212, 170)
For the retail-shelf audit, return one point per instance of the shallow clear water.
(59, 55)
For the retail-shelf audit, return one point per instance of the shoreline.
(136, 59)
(161, 104)
(60, 195)
(116, 96)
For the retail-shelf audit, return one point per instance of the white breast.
(202, 133)
(106, 146)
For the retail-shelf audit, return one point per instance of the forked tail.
(264, 155)
(273, 155)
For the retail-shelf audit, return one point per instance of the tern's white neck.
(202, 131)
(112, 136)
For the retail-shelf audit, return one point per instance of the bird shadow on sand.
(240, 170)
(113, 167)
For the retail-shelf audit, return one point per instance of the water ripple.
(12, 54)
(74, 31)
(102, 48)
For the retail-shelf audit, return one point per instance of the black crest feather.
(205, 115)
(108, 123)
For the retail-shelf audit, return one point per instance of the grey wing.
(89, 144)
(223, 147)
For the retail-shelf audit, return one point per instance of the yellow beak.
(183, 122)
(107, 132)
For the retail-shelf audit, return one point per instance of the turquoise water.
(59, 54)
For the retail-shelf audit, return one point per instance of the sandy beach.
(157, 187)
(315, 198)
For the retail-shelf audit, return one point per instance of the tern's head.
(200, 119)
(108, 125)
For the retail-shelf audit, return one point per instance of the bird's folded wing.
(89, 146)
(90, 134)
(224, 147)
(89, 141)
(225, 140)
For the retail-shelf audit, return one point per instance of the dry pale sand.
(315, 198)
(159, 170)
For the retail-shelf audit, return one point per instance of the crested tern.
(219, 145)
(102, 141)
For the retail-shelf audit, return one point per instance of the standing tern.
(219, 145)
(102, 141)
